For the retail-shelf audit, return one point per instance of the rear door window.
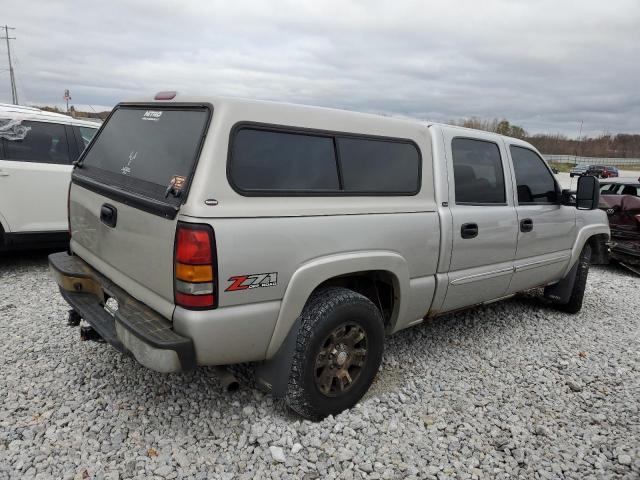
(43, 143)
(147, 149)
(379, 166)
(535, 182)
(266, 160)
(477, 172)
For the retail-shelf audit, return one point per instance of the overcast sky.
(545, 65)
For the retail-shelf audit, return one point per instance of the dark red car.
(601, 171)
(620, 198)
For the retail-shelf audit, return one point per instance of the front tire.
(337, 355)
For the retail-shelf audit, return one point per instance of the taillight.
(195, 284)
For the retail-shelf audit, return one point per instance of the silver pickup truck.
(217, 231)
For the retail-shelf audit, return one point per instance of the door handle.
(526, 225)
(108, 215)
(469, 230)
(3, 174)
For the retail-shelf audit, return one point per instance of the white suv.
(37, 151)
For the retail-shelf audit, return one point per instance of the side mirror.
(588, 193)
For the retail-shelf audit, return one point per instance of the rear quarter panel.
(282, 245)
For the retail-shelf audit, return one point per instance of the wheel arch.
(596, 235)
(350, 268)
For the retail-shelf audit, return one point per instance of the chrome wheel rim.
(341, 359)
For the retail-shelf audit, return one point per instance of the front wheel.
(338, 353)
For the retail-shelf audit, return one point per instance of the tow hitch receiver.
(88, 333)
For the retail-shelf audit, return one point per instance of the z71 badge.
(255, 280)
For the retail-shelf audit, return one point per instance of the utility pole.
(579, 140)
(14, 91)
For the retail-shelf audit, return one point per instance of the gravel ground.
(514, 389)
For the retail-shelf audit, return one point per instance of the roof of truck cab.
(35, 114)
(473, 131)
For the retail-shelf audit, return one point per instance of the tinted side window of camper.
(266, 160)
(379, 166)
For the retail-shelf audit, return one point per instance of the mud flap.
(561, 291)
(272, 375)
(600, 250)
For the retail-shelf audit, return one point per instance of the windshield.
(147, 149)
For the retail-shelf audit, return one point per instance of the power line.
(14, 91)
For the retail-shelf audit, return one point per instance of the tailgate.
(126, 194)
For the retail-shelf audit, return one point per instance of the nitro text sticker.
(152, 115)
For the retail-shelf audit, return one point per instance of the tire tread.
(319, 305)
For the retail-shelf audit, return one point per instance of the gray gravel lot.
(511, 390)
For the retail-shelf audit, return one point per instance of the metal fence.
(572, 159)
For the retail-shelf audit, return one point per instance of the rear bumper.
(133, 328)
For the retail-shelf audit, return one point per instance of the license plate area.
(111, 305)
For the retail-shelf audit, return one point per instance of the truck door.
(484, 219)
(547, 229)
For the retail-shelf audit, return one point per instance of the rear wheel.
(337, 355)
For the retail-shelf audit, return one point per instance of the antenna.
(14, 91)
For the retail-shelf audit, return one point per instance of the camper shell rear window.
(146, 150)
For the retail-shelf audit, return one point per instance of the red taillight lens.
(197, 301)
(195, 283)
(193, 246)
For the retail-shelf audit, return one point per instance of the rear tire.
(337, 354)
(574, 305)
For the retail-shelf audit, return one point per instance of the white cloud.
(545, 65)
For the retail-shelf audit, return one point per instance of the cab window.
(477, 172)
(534, 180)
